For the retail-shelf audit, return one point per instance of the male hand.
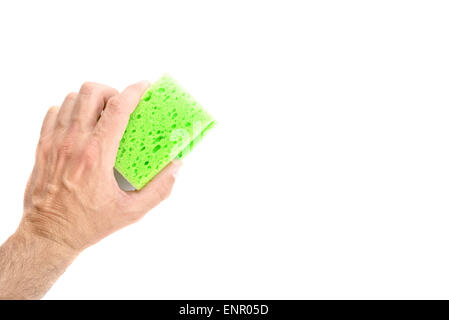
(72, 199)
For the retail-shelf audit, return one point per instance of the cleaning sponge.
(166, 124)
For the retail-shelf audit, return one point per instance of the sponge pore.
(166, 124)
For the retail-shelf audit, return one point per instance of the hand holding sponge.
(166, 124)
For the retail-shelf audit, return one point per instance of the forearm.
(29, 265)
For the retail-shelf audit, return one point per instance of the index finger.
(115, 117)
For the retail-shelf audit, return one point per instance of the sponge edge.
(166, 124)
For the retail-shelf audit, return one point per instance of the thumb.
(157, 190)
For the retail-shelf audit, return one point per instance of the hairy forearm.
(29, 265)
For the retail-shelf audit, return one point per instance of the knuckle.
(138, 87)
(60, 124)
(44, 147)
(115, 91)
(88, 88)
(71, 96)
(133, 89)
(65, 149)
(110, 91)
(115, 103)
(66, 145)
(43, 152)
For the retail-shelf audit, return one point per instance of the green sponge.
(166, 124)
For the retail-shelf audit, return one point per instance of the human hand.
(72, 197)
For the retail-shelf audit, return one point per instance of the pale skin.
(72, 199)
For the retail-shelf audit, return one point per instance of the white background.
(327, 176)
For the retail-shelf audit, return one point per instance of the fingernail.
(176, 165)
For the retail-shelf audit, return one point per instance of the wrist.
(39, 244)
